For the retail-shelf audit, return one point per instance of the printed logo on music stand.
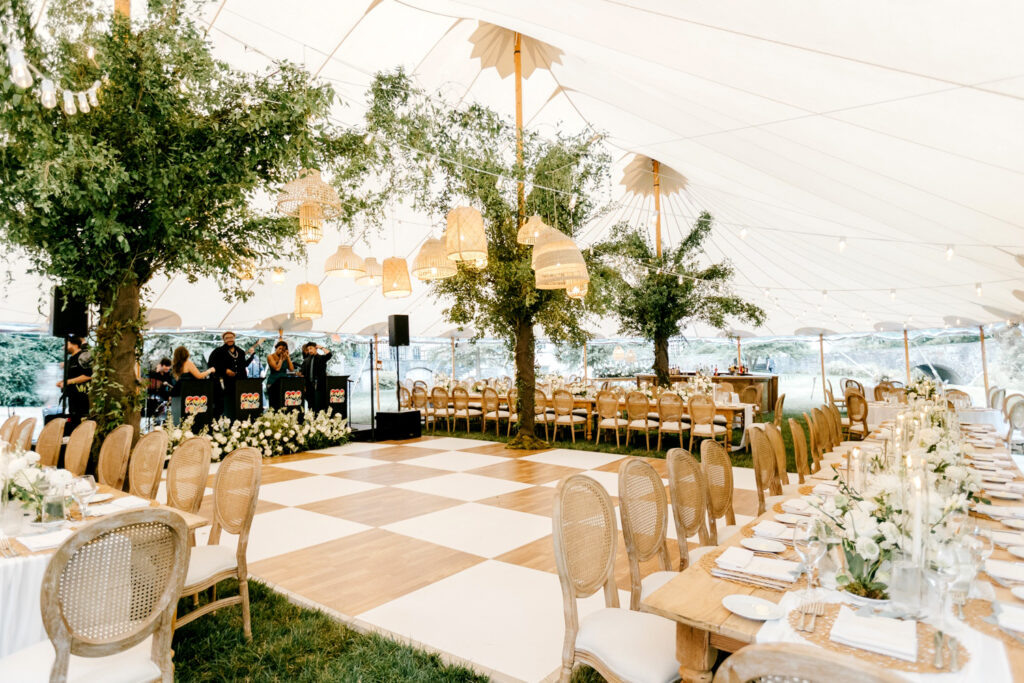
(249, 401)
(337, 396)
(195, 404)
(292, 399)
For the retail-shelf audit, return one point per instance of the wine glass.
(810, 547)
(82, 490)
(942, 567)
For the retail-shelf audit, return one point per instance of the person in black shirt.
(229, 362)
(314, 370)
(79, 372)
(161, 380)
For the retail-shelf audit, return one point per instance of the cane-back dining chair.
(688, 492)
(609, 414)
(187, 472)
(797, 663)
(147, 464)
(563, 401)
(49, 442)
(235, 491)
(76, 453)
(8, 427)
(108, 597)
(463, 411)
(23, 434)
(643, 508)
(620, 644)
(114, 453)
(670, 416)
(857, 415)
(702, 419)
(799, 450)
(439, 407)
(637, 409)
(777, 412)
(765, 479)
(490, 405)
(717, 468)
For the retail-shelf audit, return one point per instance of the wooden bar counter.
(769, 391)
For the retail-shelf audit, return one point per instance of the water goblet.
(82, 490)
(942, 567)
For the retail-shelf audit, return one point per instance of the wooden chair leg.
(659, 441)
(572, 430)
(647, 438)
(243, 589)
(616, 436)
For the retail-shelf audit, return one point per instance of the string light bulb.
(69, 103)
(892, 294)
(949, 253)
(824, 295)
(368, 139)
(743, 233)
(48, 93)
(83, 103)
(93, 91)
(572, 202)
(679, 279)
(977, 288)
(20, 73)
(277, 276)
(90, 52)
(842, 244)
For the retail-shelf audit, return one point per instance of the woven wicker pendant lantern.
(311, 222)
(530, 230)
(557, 261)
(374, 275)
(344, 263)
(309, 188)
(577, 289)
(432, 263)
(396, 282)
(307, 301)
(618, 353)
(465, 239)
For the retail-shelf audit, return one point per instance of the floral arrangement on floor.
(275, 432)
(22, 479)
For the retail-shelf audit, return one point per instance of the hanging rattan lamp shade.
(344, 263)
(577, 289)
(557, 261)
(311, 222)
(465, 239)
(307, 301)
(309, 188)
(374, 275)
(432, 263)
(530, 230)
(396, 282)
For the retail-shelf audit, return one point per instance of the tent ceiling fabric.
(841, 148)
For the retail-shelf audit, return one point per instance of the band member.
(229, 363)
(158, 391)
(314, 370)
(79, 372)
(182, 366)
(280, 363)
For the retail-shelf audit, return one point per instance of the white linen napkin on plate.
(1010, 616)
(1006, 538)
(51, 539)
(797, 506)
(890, 637)
(129, 502)
(1000, 510)
(825, 489)
(738, 559)
(1001, 569)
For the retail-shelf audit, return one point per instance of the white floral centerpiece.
(923, 388)
(442, 380)
(702, 383)
(24, 481)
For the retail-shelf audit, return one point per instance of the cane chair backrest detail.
(147, 464)
(76, 453)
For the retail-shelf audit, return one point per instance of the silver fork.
(805, 609)
(817, 609)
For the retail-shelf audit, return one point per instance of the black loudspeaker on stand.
(398, 330)
(69, 315)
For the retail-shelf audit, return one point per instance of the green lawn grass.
(292, 643)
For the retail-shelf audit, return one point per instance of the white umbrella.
(644, 176)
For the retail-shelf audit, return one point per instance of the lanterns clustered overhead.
(312, 200)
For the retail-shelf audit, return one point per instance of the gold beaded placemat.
(925, 645)
(805, 490)
(707, 563)
(975, 613)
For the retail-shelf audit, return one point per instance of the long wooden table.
(703, 626)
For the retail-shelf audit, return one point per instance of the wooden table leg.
(695, 654)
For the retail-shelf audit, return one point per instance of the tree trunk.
(114, 392)
(661, 360)
(526, 380)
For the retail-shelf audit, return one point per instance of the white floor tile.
(500, 616)
(312, 489)
(329, 464)
(583, 460)
(287, 530)
(484, 530)
(463, 486)
(451, 443)
(353, 447)
(456, 461)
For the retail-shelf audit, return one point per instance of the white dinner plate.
(1013, 523)
(762, 545)
(1018, 592)
(1016, 551)
(790, 518)
(756, 609)
(100, 497)
(1004, 495)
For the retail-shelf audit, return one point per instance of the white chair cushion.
(468, 412)
(613, 422)
(570, 420)
(653, 416)
(654, 581)
(34, 663)
(674, 426)
(475, 404)
(706, 429)
(543, 417)
(720, 420)
(580, 411)
(207, 560)
(643, 424)
(441, 412)
(769, 501)
(636, 646)
(497, 413)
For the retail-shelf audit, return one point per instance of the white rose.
(867, 548)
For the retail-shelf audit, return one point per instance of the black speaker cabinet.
(398, 330)
(289, 393)
(246, 399)
(337, 395)
(68, 314)
(193, 397)
(399, 424)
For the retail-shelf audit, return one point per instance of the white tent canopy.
(863, 161)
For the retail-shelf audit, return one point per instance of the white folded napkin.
(1001, 569)
(1010, 616)
(738, 559)
(1006, 538)
(38, 542)
(130, 502)
(102, 509)
(998, 511)
(890, 637)
(797, 506)
(825, 489)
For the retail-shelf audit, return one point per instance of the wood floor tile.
(206, 507)
(402, 442)
(270, 475)
(526, 471)
(659, 465)
(539, 555)
(398, 453)
(537, 500)
(390, 474)
(294, 457)
(494, 449)
(360, 572)
(381, 506)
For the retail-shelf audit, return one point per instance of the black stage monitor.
(398, 330)
(68, 315)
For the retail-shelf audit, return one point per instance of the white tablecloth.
(989, 416)
(21, 621)
(988, 660)
(880, 411)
